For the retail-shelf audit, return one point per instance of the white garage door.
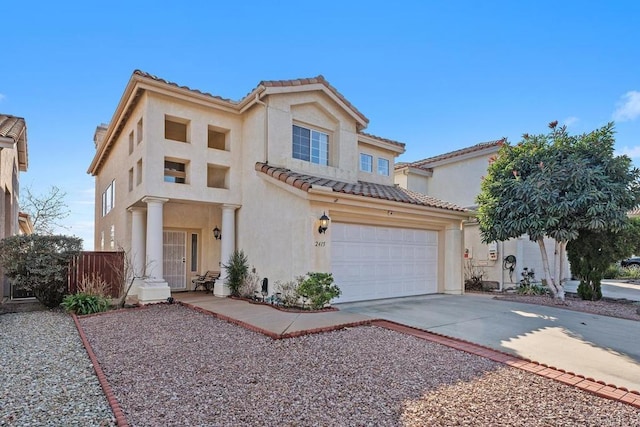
(370, 262)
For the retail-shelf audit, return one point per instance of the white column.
(155, 288)
(227, 246)
(138, 253)
(453, 243)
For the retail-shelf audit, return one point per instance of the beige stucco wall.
(9, 191)
(457, 182)
(376, 153)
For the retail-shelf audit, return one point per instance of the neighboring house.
(183, 178)
(456, 176)
(13, 160)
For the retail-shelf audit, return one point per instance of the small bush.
(289, 291)
(532, 289)
(250, 285)
(590, 291)
(631, 272)
(319, 289)
(612, 272)
(237, 269)
(93, 285)
(82, 303)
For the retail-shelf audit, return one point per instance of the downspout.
(501, 255)
(266, 128)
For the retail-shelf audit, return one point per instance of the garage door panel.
(370, 262)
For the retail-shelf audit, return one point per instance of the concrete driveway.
(600, 347)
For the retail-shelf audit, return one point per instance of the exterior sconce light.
(216, 233)
(324, 223)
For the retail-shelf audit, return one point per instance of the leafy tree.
(46, 210)
(593, 252)
(556, 185)
(39, 264)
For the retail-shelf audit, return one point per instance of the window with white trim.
(108, 198)
(310, 145)
(383, 167)
(366, 162)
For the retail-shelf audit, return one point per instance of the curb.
(121, 421)
(599, 388)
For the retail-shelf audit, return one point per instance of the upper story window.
(366, 162)
(310, 145)
(108, 198)
(216, 138)
(131, 142)
(383, 167)
(175, 171)
(139, 131)
(176, 129)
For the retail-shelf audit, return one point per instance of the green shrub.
(319, 289)
(532, 289)
(39, 264)
(631, 272)
(612, 272)
(289, 291)
(82, 303)
(590, 291)
(237, 269)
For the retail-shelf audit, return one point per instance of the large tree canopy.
(555, 185)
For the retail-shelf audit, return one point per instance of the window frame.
(388, 166)
(109, 198)
(313, 147)
(369, 158)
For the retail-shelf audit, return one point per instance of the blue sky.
(436, 75)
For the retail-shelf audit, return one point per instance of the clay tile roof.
(361, 188)
(390, 141)
(634, 212)
(309, 81)
(11, 127)
(158, 79)
(425, 163)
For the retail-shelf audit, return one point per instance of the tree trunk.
(555, 287)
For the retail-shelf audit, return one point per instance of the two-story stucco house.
(457, 176)
(175, 164)
(13, 160)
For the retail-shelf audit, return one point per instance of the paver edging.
(118, 413)
(599, 388)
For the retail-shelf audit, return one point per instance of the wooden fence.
(109, 266)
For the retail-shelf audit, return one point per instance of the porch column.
(227, 246)
(137, 254)
(453, 241)
(155, 288)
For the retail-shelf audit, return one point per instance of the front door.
(174, 249)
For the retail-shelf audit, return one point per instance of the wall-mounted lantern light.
(217, 234)
(324, 223)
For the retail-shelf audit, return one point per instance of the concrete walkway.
(600, 347)
(273, 322)
(616, 289)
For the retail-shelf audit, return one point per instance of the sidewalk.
(269, 320)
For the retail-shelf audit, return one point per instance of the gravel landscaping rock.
(621, 309)
(169, 365)
(46, 377)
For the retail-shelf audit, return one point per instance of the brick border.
(599, 388)
(121, 420)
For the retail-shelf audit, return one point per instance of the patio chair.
(206, 281)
